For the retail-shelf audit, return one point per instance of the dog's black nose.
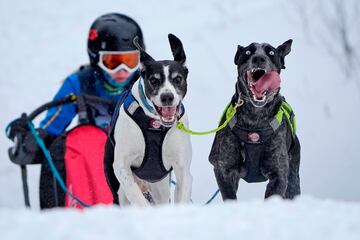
(258, 60)
(167, 98)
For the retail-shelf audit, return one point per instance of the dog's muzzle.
(262, 84)
(168, 114)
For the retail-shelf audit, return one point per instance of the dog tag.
(253, 137)
(155, 124)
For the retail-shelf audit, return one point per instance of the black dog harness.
(253, 149)
(253, 141)
(152, 168)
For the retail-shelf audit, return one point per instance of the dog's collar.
(240, 95)
(143, 98)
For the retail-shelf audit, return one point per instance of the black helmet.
(112, 32)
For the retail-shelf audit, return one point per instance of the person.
(113, 68)
(114, 63)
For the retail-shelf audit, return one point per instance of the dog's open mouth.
(167, 114)
(262, 82)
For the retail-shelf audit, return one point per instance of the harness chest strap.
(152, 168)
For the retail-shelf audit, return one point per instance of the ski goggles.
(113, 61)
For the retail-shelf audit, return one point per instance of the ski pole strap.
(55, 172)
(229, 112)
(25, 185)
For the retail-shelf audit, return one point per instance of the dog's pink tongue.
(168, 112)
(269, 81)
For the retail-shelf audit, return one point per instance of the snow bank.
(305, 218)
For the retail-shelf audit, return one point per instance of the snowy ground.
(306, 218)
(43, 41)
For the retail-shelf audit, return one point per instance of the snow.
(305, 218)
(43, 41)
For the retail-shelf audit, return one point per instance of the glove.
(18, 127)
(26, 150)
(30, 144)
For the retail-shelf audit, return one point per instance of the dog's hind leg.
(293, 188)
(160, 191)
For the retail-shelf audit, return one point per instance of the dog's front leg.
(228, 182)
(177, 153)
(129, 186)
(278, 180)
(129, 149)
(226, 159)
(183, 183)
(276, 166)
(181, 165)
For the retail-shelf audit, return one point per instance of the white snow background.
(42, 42)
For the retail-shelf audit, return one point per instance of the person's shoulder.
(73, 79)
(79, 74)
(85, 72)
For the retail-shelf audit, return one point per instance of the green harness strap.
(286, 109)
(230, 111)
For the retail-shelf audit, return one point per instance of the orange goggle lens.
(111, 60)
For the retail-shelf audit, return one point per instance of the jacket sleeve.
(58, 118)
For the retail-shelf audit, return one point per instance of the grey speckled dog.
(259, 143)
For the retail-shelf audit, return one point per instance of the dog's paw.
(149, 198)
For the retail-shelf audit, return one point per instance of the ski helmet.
(112, 32)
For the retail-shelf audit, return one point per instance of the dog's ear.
(283, 50)
(177, 49)
(144, 57)
(239, 51)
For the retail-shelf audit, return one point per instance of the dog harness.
(152, 168)
(253, 141)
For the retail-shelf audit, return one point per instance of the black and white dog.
(148, 144)
(259, 143)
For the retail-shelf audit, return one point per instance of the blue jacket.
(88, 80)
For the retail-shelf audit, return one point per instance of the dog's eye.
(271, 53)
(154, 80)
(248, 52)
(177, 79)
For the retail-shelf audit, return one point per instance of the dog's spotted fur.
(280, 164)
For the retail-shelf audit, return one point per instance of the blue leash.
(212, 197)
(55, 172)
